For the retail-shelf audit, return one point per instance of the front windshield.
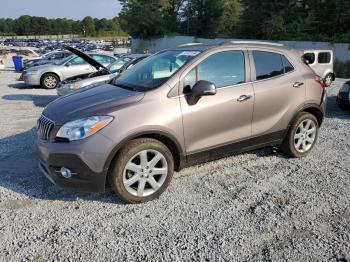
(155, 70)
(114, 67)
(64, 60)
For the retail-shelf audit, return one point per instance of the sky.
(74, 9)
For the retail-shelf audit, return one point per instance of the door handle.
(298, 84)
(243, 98)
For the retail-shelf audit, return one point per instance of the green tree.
(88, 26)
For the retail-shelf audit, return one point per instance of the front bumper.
(33, 80)
(86, 160)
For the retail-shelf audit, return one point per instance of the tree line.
(31, 25)
(251, 19)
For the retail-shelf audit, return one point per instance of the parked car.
(180, 107)
(104, 75)
(47, 58)
(322, 62)
(49, 76)
(343, 98)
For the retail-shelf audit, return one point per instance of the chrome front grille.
(44, 127)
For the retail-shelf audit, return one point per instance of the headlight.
(94, 85)
(83, 128)
(72, 86)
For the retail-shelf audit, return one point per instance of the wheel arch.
(54, 73)
(167, 139)
(313, 109)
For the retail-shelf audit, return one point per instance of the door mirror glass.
(203, 88)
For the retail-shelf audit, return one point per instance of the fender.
(167, 135)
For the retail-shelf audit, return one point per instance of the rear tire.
(49, 81)
(142, 171)
(328, 79)
(302, 136)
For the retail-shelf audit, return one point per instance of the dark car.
(343, 98)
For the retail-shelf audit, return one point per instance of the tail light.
(1, 62)
(319, 80)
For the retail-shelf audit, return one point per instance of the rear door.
(279, 90)
(224, 118)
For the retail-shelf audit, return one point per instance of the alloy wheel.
(305, 136)
(50, 82)
(145, 173)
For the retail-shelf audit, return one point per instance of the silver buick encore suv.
(180, 107)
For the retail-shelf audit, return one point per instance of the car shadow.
(22, 86)
(333, 110)
(38, 100)
(20, 173)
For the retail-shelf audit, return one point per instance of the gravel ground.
(258, 206)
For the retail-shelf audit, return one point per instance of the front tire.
(142, 171)
(49, 81)
(302, 136)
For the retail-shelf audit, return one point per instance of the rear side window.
(267, 64)
(310, 58)
(223, 69)
(324, 58)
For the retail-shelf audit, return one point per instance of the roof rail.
(190, 44)
(257, 42)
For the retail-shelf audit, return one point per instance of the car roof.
(244, 44)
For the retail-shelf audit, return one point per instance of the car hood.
(86, 57)
(87, 102)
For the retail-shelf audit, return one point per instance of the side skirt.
(273, 139)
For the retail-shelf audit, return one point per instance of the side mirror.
(67, 65)
(203, 88)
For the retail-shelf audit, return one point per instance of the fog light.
(65, 172)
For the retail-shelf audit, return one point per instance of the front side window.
(223, 69)
(324, 58)
(78, 61)
(267, 64)
(155, 70)
(102, 59)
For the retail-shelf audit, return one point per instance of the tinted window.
(310, 58)
(288, 67)
(267, 64)
(324, 58)
(223, 69)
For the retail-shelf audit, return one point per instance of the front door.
(224, 118)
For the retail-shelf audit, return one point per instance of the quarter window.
(288, 67)
(267, 64)
(324, 58)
